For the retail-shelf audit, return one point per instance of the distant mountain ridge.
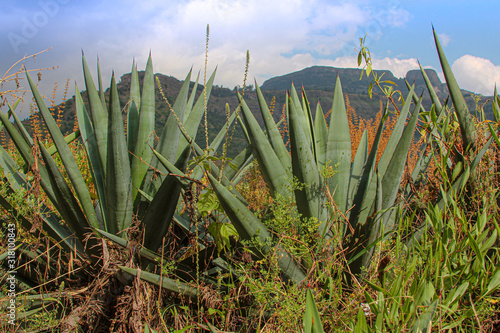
(324, 77)
(318, 81)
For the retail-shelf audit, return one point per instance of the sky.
(282, 36)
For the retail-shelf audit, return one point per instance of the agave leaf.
(97, 114)
(397, 131)
(166, 283)
(68, 139)
(190, 102)
(169, 139)
(272, 170)
(195, 115)
(18, 124)
(89, 140)
(467, 126)
(101, 88)
(310, 123)
(66, 156)
(273, 132)
(392, 176)
(365, 193)
(387, 155)
(357, 167)
(134, 106)
(312, 321)
(249, 226)
(118, 175)
(68, 206)
(143, 252)
(311, 199)
(430, 88)
(145, 128)
(298, 104)
(366, 235)
(240, 162)
(321, 132)
(339, 149)
(158, 216)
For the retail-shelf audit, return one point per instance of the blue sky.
(282, 36)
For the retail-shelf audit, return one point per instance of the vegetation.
(324, 221)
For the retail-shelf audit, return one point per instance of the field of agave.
(122, 230)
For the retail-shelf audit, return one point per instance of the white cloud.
(282, 35)
(444, 39)
(476, 74)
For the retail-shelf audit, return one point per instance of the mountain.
(318, 81)
(323, 78)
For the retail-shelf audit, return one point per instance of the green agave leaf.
(118, 176)
(68, 139)
(145, 128)
(89, 141)
(66, 156)
(273, 132)
(195, 114)
(432, 92)
(272, 170)
(357, 167)
(321, 132)
(97, 114)
(68, 205)
(101, 88)
(311, 199)
(310, 123)
(166, 283)
(369, 197)
(215, 172)
(339, 149)
(467, 126)
(134, 106)
(241, 161)
(169, 139)
(395, 169)
(312, 321)
(366, 236)
(18, 124)
(190, 102)
(298, 104)
(158, 216)
(365, 193)
(143, 252)
(249, 226)
(396, 134)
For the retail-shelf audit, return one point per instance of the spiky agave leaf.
(339, 149)
(310, 198)
(118, 175)
(66, 156)
(142, 153)
(467, 126)
(249, 227)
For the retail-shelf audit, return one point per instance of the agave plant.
(132, 183)
(359, 191)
